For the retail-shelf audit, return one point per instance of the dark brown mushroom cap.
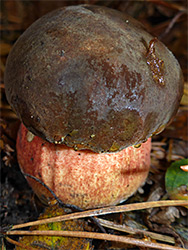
(92, 77)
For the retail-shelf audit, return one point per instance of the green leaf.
(176, 181)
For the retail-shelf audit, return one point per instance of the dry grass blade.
(130, 230)
(106, 210)
(98, 236)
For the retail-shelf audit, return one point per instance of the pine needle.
(105, 210)
(99, 236)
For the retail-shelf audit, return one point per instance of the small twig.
(16, 243)
(158, 143)
(171, 24)
(130, 230)
(99, 236)
(168, 4)
(106, 210)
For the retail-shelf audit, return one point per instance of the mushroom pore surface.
(92, 78)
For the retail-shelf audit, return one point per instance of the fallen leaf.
(166, 216)
(54, 242)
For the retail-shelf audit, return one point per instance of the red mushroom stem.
(82, 178)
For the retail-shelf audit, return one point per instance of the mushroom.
(89, 83)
